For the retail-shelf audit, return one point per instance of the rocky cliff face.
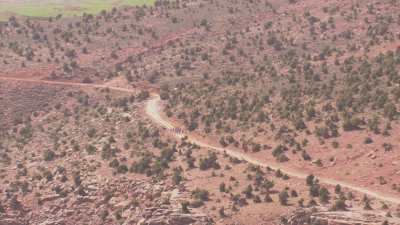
(321, 216)
(160, 205)
(168, 216)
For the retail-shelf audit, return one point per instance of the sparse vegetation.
(241, 85)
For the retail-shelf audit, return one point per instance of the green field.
(46, 8)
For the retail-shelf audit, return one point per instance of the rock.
(82, 199)
(181, 219)
(165, 216)
(9, 222)
(372, 155)
(322, 215)
(49, 198)
(53, 222)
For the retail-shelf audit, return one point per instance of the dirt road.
(72, 84)
(153, 110)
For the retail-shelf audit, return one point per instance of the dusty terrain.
(203, 112)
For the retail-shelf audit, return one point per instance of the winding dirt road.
(72, 84)
(153, 110)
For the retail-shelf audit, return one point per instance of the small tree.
(248, 191)
(324, 195)
(338, 189)
(268, 198)
(48, 155)
(340, 205)
(185, 206)
(310, 180)
(283, 197)
(301, 202)
(222, 187)
(221, 212)
(367, 205)
(177, 176)
(200, 194)
(314, 190)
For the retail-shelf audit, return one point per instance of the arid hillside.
(203, 112)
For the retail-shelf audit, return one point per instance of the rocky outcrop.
(171, 217)
(96, 201)
(322, 216)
